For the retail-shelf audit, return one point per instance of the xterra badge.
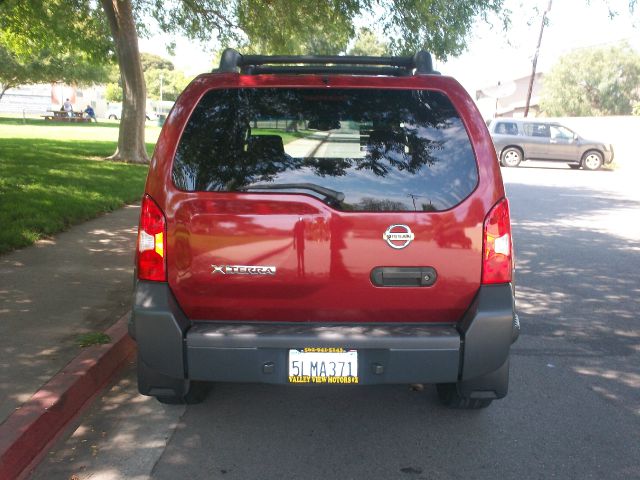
(242, 270)
(398, 236)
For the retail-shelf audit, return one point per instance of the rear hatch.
(324, 205)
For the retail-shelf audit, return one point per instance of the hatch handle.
(403, 276)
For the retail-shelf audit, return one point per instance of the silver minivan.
(516, 140)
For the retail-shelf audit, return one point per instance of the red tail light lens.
(497, 251)
(152, 242)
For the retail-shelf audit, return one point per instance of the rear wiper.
(327, 192)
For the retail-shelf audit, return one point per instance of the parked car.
(374, 248)
(114, 112)
(516, 140)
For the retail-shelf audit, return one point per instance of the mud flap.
(491, 386)
(156, 384)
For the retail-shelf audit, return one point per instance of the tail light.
(497, 251)
(152, 242)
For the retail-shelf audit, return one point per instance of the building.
(508, 99)
(37, 99)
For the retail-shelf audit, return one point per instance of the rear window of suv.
(356, 149)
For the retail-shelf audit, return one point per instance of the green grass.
(93, 338)
(53, 176)
(286, 136)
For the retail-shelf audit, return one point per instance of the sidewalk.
(50, 293)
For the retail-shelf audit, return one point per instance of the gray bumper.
(173, 347)
(608, 156)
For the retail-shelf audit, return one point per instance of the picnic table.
(62, 116)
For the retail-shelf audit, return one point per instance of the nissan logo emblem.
(398, 236)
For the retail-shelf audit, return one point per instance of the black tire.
(592, 160)
(197, 393)
(574, 166)
(112, 117)
(511, 157)
(449, 396)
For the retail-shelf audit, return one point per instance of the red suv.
(324, 220)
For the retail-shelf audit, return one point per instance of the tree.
(593, 82)
(173, 82)
(113, 92)
(62, 27)
(45, 67)
(267, 26)
(294, 28)
(150, 61)
(153, 67)
(368, 43)
(131, 145)
(13, 73)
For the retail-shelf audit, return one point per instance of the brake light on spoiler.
(497, 249)
(152, 241)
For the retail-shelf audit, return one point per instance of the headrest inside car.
(270, 145)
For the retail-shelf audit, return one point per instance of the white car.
(114, 112)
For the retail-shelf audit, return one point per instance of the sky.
(498, 56)
(493, 55)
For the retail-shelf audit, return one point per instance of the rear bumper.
(175, 348)
(608, 156)
(259, 352)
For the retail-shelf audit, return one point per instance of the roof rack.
(234, 62)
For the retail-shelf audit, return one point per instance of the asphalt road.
(573, 411)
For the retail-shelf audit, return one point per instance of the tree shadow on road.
(578, 284)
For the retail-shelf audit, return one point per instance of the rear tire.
(450, 397)
(592, 160)
(511, 157)
(197, 393)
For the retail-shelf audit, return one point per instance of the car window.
(536, 129)
(506, 128)
(384, 150)
(559, 132)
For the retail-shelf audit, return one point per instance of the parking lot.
(573, 411)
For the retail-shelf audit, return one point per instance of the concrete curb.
(29, 431)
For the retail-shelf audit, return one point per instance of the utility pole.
(413, 197)
(535, 59)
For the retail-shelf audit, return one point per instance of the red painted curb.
(26, 434)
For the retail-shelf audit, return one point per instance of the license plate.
(323, 365)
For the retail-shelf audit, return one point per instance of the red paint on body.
(323, 256)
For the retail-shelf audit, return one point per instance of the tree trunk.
(131, 146)
(4, 89)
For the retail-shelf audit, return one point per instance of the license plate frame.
(320, 365)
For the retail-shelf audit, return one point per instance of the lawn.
(286, 136)
(53, 176)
